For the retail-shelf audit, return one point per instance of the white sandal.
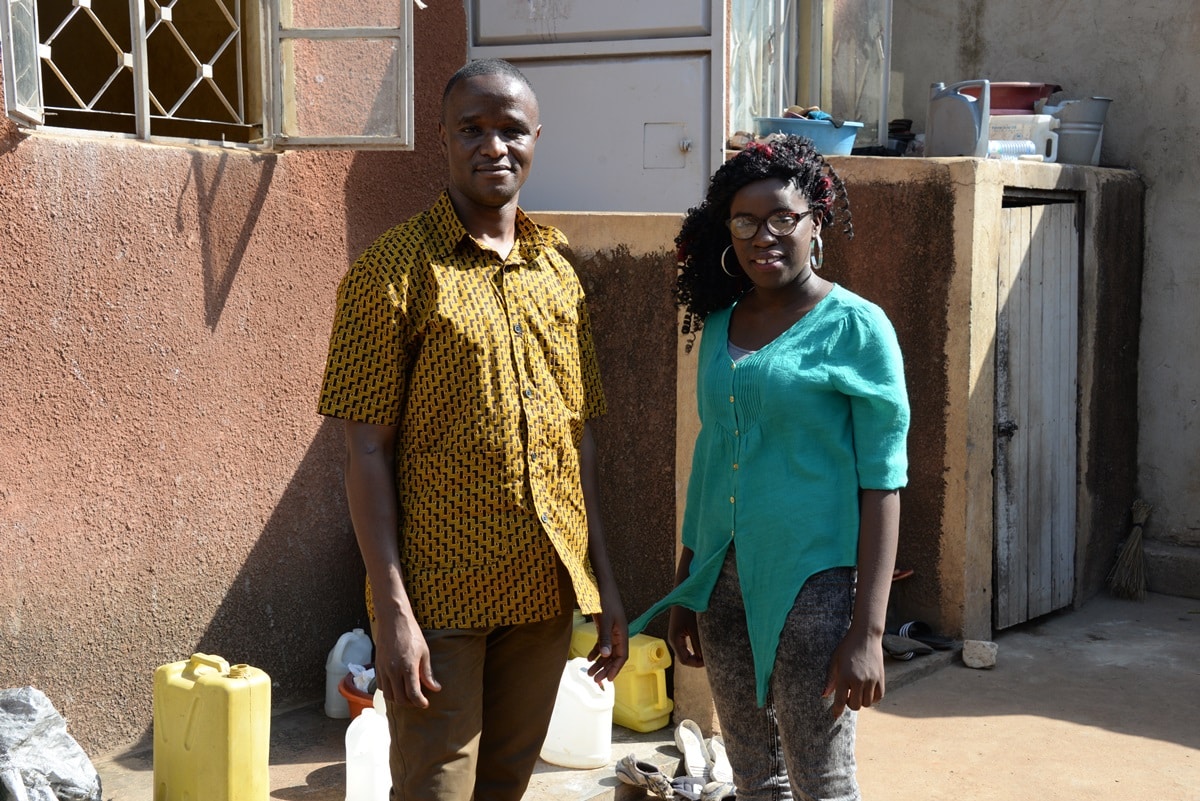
(697, 761)
(721, 770)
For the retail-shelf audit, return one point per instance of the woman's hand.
(856, 676)
(683, 636)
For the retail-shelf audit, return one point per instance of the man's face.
(488, 129)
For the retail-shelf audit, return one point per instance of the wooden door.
(1036, 398)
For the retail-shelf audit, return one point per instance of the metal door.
(627, 92)
(1036, 380)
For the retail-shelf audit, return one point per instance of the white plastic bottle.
(368, 776)
(580, 733)
(353, 647)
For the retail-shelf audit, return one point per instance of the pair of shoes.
(921, 632)
(644, 775)
(903, 648)
(694, 789)
(702, 760)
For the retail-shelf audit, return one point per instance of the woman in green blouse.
(793, 507)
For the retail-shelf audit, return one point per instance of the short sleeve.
(878, 400)
(365, 368)
(594, 403)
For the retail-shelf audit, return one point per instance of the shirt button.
(731, 499)
(737, 433)
(545, 518)
(731, 399)
(735, 466)
(518, 328)
(528, 393)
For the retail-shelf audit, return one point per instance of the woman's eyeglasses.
(781, 223)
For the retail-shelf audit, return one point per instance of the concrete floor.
(1097, 703)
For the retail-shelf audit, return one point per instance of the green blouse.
(788, 437)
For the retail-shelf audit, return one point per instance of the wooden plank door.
(1036, 399)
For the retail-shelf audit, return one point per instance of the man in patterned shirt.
(462, 364)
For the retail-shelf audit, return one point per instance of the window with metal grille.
(281, 73)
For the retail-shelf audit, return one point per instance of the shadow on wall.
(373, 193)
(229, 200)
(302, 584)
(908, 276)
(633, 323)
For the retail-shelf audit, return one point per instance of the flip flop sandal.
(697, 762)
(716, 791)
(688, 787)
(921, 632)
(644, 775)
(903, 648)
(721, 770)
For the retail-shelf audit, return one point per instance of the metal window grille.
(133, 66)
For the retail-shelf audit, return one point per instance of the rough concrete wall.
(165, 483)
(627, 266)
(1144, 56)
(902, 258)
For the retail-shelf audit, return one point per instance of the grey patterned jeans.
(791, 748)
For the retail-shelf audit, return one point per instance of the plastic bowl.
(828, 140)
(356, 699)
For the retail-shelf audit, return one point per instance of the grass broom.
(1128, 576)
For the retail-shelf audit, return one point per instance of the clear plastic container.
(368, 774)
(212, 731)
(353, 647)
(580, 733)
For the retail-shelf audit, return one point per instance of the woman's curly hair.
(702, 286)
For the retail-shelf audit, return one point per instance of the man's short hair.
(486, 66)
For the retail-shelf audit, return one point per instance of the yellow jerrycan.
(212, 731)
(640, 701)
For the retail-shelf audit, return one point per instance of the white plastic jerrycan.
(353, 647)
(368, 777)
(580, 733)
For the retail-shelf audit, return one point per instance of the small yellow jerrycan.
(212, 731)
(641, 701)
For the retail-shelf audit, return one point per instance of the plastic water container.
(580, 733)
(1037, 129)
(212, 731)
(640, 689)
(956, 123)
(353, 647)
(368, 774)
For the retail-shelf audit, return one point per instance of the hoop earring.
(725, 269)
(816, 252)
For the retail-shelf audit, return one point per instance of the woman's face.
(773, 261)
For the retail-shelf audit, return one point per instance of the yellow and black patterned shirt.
(489, 370)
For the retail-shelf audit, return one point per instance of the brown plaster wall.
(902, 257)
(627, 266)
(165, 483)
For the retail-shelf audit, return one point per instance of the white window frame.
(24, 102)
